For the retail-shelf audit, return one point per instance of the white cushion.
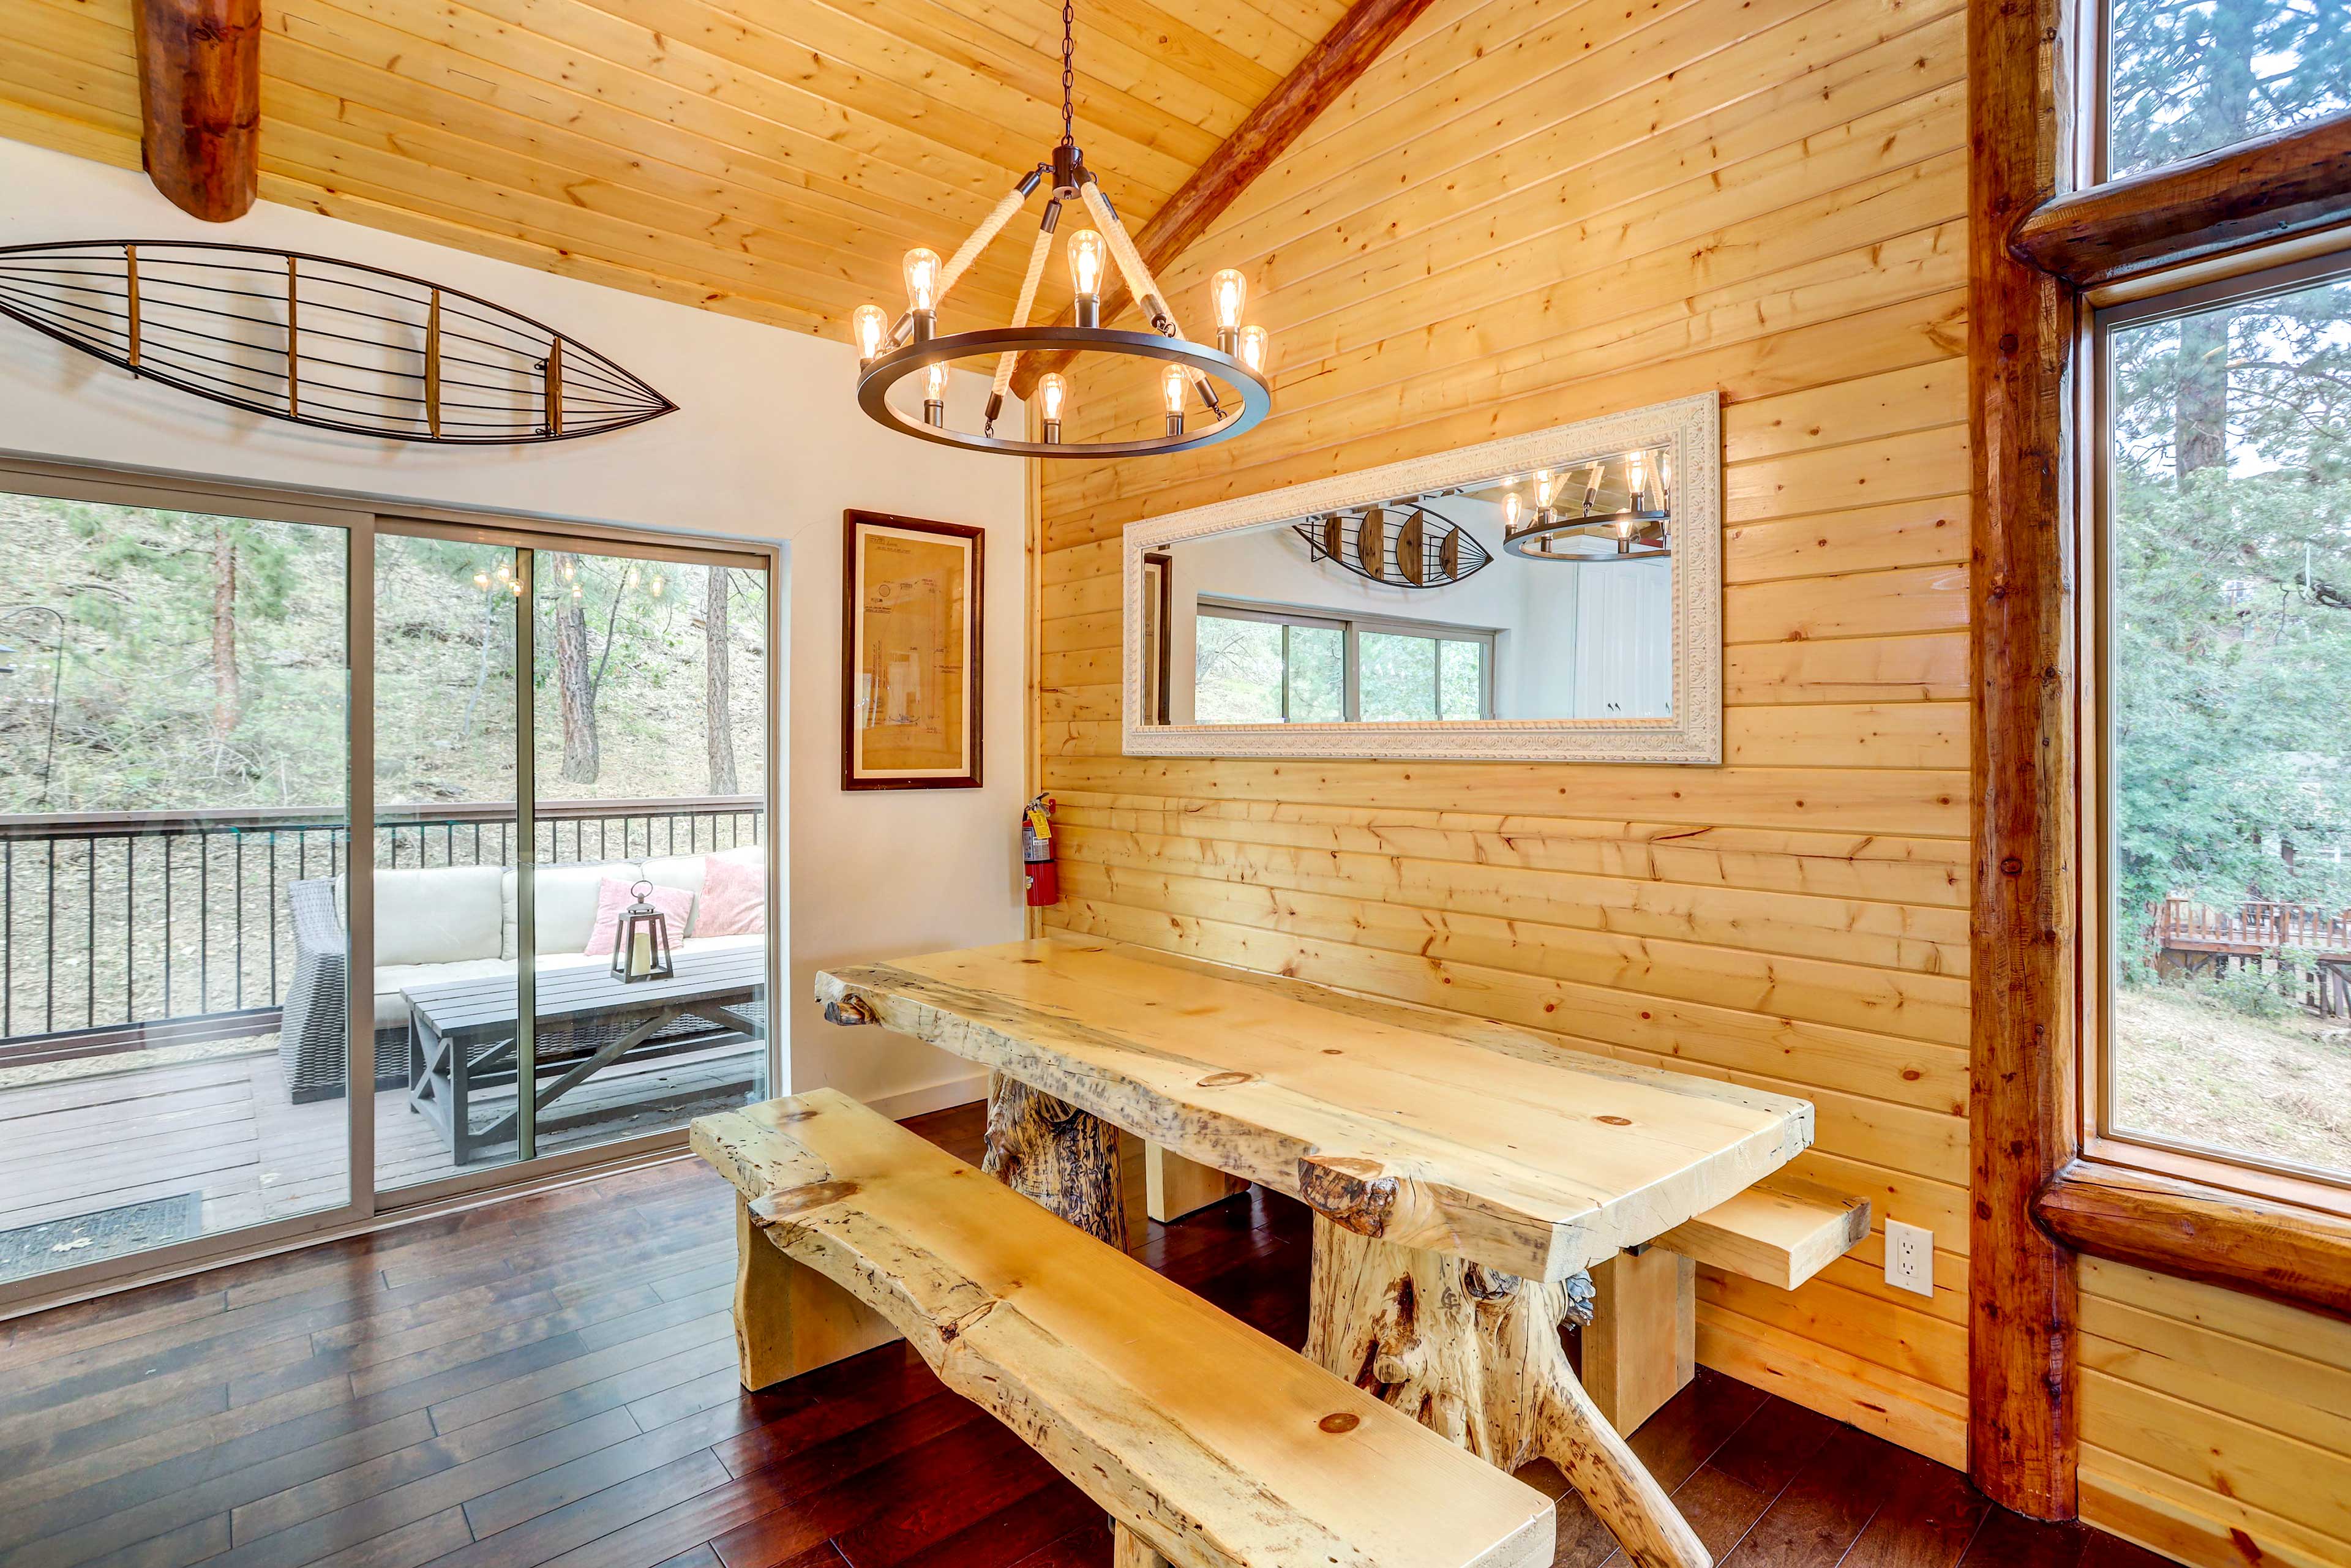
(391, 979)
(564, 899)
(437, 914)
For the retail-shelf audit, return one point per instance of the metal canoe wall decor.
(331, 344)
(1402, 546)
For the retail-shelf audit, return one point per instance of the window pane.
(1399, 679)
(2230, 656)
(1237, 678)
(1461, 679)
(1317, 674)
(2190, 76)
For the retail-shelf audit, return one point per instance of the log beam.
(1476, 1355)
(1058, 1155)
(1329, 69)
(2274, 187)
(200, 103)
(2023, 1432)
(2283, 1252)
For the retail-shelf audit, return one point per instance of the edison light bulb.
(1635, 482)
(657, 585)
(503, 573)
(1229, 289)
(922, 279)
(1510, 511)
(481, 580)
(935, 383)
(1086, 263)
(1543, 489)
(1052, 390)
(1171, 387)
(516, 588)
(1252, 347)
(868, 322)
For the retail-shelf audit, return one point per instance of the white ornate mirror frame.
(1691, 427)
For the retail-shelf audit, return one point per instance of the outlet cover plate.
(1910, 1257)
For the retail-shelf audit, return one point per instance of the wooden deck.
(223, 1129)
(551, 1380)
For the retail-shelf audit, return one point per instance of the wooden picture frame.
(931, 576)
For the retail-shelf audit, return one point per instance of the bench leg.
(1476, 1355)
(1175, 1186)
(1058, 1155)
(790, 1319)
(1129, 1550)
(1641, 1347)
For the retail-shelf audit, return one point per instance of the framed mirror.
(1551, 597)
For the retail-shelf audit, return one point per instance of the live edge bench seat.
(1209, 1445)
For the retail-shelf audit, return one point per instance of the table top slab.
(1425, 1128)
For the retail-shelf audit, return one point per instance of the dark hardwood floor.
(551, 1380)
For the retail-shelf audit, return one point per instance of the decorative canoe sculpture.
(327, 343)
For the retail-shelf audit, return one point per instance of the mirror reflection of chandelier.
(1610, 509)
(1207, 393)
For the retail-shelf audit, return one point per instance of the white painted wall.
(766, 445)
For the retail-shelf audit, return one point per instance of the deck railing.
(2255, 926)
(120, 929)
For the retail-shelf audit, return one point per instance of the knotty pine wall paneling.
(1529, 213)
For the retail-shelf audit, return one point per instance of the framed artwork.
(910, 699)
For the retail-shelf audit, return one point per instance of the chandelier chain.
(1069, 75)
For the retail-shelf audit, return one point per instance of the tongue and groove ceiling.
(768, 158)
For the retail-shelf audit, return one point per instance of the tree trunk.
(1065, 1158)
(2200, 432)
(575, 692)
(227, 700)
(1476, 1354)
(717, 714)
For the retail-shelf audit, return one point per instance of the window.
(1259, 665)
(2191, 77)
(2224, 541)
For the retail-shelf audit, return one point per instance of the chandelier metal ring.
(1631, 529)
(874, 382)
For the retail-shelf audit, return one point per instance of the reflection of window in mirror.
(1259, 664)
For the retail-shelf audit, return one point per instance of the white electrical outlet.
(1910, 1257)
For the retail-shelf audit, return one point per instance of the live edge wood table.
(1464, 1176)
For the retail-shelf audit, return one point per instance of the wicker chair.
(310, 1045)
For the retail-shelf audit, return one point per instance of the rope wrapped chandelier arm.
(1228, 378)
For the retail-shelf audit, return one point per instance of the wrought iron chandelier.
(1638, 529)
(890, 353)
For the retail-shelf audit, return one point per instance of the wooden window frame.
(2043, 254)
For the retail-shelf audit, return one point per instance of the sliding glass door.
(175, 828)
(230, 1017)
(571, 760)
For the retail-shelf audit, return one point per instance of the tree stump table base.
(1064, 1158)
(1476, 1355)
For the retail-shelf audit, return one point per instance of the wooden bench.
(1641, 1347)
(1209, 1445)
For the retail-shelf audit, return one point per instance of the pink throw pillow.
(612, 901)
(734, 899)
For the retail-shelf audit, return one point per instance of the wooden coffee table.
(462, 1033)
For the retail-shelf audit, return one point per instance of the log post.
(1063, 1157)
(1476, 1355)
(200, 99)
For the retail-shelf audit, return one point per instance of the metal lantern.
(640, 951)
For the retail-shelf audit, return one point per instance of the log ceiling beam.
(1329, 69)
(200, 103)
(2023, 1436)
(2292, 182)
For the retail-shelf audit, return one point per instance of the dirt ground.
(2279, 1088)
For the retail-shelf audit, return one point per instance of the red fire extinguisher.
(1037, 852)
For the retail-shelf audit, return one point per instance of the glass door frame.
(525, 537)
(361, 517)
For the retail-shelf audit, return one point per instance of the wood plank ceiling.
(768, 158)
